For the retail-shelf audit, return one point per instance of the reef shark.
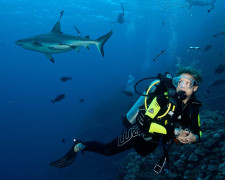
(58, 42)
(200, 3)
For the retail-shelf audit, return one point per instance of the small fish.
(219, 34)
(64, 79)
(218, 82)
(208, 92)
(128, 93)
(194, 48)
(220, 54)
(207, 48)
(63, 140)
(58, 98)
(81, 100)
(159, 54)
(78, 32)
(220, 69)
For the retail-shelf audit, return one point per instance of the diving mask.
(184, 82)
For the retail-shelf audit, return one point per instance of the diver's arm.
(190, 136)
(122, 8)
(196, 127)
(194, 135)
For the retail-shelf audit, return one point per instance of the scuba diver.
(129, 90)
(170, 112)
(120, 18)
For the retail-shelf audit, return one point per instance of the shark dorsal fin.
(57, 28)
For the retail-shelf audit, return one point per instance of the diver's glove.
(142, 120)
(67, 159)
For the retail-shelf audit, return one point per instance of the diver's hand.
(186, 137)
(142, 120)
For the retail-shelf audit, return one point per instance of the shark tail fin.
(101, 41)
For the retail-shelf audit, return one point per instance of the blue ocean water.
(32, 128)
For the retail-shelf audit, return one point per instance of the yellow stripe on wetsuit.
(199, 124)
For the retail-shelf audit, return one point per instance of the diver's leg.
(144, 147)
(125, 141)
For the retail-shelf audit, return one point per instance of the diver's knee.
(109, 152)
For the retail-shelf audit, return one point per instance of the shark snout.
(19, 42)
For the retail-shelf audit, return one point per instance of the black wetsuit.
(130, 138)
(186, 116)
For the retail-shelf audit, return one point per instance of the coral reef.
(204, 160)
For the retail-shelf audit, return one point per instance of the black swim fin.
(67, 159)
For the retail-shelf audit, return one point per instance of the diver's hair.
(190, 70)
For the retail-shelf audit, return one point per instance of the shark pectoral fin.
(101, 41)
(37, 44)
(76, 48)
(57, 28)
(49, 56)
(87, 47)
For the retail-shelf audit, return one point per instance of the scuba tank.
(132, 113)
